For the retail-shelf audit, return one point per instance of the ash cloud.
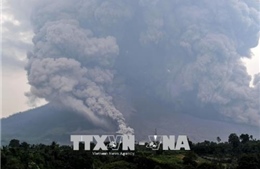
(169, 50)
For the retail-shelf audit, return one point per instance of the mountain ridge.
(49, 123)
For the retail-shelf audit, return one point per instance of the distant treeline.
(240, 152)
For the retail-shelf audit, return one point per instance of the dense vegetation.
(240, 152)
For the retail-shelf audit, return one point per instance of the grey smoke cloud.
(169, 50)
(72, 66)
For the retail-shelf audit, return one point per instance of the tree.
(207, 166)
(14, 143)
(248, 161)
(25, 145)
(251, 137)
(233, 140)
(190, 159)
(244, 138)
(218, 139)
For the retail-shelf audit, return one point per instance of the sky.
(16, 41)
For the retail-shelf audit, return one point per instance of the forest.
(238, 152)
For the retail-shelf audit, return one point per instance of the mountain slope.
(44, 124)
(47, 123)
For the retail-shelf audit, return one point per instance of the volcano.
(49, 123)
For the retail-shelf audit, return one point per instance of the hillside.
(45, 124)
(48, 123)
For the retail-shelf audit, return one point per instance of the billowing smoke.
(71, 66)
(183, 53)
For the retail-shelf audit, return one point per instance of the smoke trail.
(72, 66)
(170, 50)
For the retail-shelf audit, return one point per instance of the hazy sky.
(16, 40)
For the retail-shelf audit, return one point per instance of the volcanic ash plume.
(71, 66)
(169, 50)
